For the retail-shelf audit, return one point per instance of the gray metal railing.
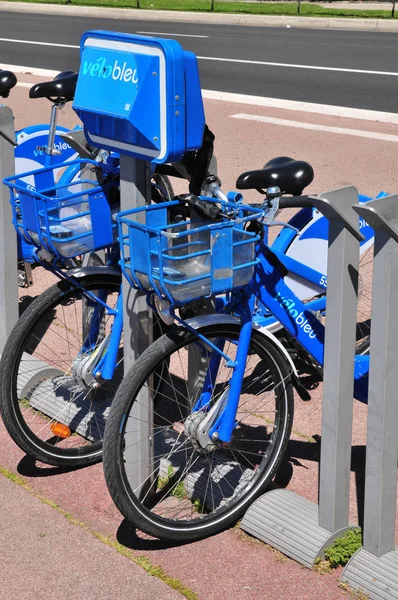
(8, 242)
(300, 528)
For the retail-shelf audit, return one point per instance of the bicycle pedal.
(22, 282)
(301, 390)
(309, 383)
(25, 278)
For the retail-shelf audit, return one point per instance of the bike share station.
(141, 98)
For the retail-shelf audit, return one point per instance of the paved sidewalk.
(208, 18)
(47, 552)
(44, 556)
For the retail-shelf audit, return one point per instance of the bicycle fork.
(219, 422)
(102, 362)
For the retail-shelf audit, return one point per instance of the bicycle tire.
(207, 515)
(20, 371)
(164, 183)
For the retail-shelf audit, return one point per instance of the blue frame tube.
(226, 423)
(106, 366)
(212, 370)
(267, 284)
(96, 319)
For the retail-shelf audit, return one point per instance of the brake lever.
(270, 213)
(271, 209)
(284, 224)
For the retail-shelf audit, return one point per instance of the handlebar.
(206, 209)
(295, 202)
(212, 185)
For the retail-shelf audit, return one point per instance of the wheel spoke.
(192, 481)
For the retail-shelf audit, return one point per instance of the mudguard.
(80, 272)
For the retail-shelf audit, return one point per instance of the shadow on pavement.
(29, 467)
(25, 302)
(128, 536)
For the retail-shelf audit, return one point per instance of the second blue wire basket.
(190, 259)
(67, 219)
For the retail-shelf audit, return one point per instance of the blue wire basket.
(66, 219)
(187, 260)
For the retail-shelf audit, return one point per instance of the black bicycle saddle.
(7, 82)
(290, 175)
(61, 89)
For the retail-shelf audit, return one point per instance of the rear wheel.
(159, 475)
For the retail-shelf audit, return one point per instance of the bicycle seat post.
(50, 151)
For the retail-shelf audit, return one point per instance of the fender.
(80, 272)
(215, 319)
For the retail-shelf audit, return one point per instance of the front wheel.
(47, 403)
(159, 476)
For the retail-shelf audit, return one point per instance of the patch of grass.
(14, 477)
(322, 566)
(179, 490)
(198, 505)
(344, 547)
(354, 594)
(258, 8)
(24, 402)
(153, 570)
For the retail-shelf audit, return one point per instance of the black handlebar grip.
(207, 209)
(295, 202)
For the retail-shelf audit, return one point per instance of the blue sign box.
(139, 96)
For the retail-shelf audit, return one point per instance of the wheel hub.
(82, 368)
(198, 434)
(200, 423)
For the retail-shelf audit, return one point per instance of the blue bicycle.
(45, 145)
(220, 386)
(64, 360)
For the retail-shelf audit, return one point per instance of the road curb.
(382, 25)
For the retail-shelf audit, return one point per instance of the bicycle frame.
(284, 306)
(268, 286)
(310, 241)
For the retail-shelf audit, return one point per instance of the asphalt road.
(348, 68)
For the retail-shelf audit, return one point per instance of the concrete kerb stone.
(208, 18)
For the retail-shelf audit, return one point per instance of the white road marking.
(38, 43)
(234, 60)
(171, 34)
(292, 66)
(385, 137)
(310, 107)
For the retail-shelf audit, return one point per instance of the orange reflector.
(60, 430)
